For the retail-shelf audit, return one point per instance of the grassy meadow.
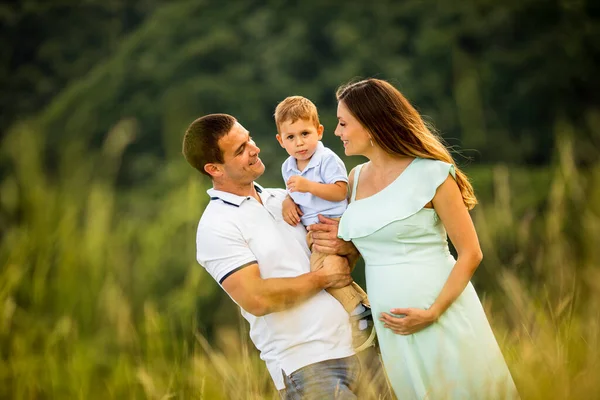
(101, 296)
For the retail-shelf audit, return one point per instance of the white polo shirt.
(237, 231)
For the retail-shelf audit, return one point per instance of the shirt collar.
(230, 198)
(315, 160)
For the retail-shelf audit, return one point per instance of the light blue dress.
(407, 260)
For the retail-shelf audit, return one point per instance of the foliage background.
(100, 295)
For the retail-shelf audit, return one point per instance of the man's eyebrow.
(241, 146)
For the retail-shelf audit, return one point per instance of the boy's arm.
(290, 211)
(327, 191)
(330, 191)
(332, 173)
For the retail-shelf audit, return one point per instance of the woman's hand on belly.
(407, 321)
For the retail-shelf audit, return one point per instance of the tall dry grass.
(100, 296)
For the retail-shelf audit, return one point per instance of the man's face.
(241, 164)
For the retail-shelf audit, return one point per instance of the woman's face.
(354, 136)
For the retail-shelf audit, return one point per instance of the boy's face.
(300, 138)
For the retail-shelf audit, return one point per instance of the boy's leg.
(349, 296)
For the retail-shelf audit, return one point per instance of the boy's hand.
(298, 184)
(290, 211)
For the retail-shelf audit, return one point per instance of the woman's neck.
(382, 162)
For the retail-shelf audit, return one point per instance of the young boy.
(317, 182)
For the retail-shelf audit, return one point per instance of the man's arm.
(224, 252)
(260, 296)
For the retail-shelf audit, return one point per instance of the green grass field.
(101, 297)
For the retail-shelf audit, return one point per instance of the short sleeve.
(222, 250)
(431, 174)
(452, 171)
(284, 172)
(332, 169)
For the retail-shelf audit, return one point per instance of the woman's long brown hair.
(397, 127)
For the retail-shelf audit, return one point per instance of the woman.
(434, 336)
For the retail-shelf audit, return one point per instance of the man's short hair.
(294, 108)
(201, 140)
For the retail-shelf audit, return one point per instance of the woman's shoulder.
(354, 173)
(356, 169)
(431, 162)
(433, 168)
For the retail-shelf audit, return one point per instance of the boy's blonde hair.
(294, 108)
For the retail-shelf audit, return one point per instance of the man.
(303, 334)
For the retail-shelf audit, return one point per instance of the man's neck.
(247, 189)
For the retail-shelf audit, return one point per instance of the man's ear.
(214, 170)
(320, 131)
(280, 140)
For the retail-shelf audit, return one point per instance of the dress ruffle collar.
(405, 196)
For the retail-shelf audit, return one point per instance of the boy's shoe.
(362, 339)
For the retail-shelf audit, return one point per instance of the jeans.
(358, 377)
(330, 379)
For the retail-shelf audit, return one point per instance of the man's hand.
(335, 272)
(290, 211)
(298, 184)
(325, 238)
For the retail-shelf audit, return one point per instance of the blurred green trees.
(494, 77)
(48, 45)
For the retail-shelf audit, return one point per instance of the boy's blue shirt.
(324, 167)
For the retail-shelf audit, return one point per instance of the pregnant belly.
(413, 284)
